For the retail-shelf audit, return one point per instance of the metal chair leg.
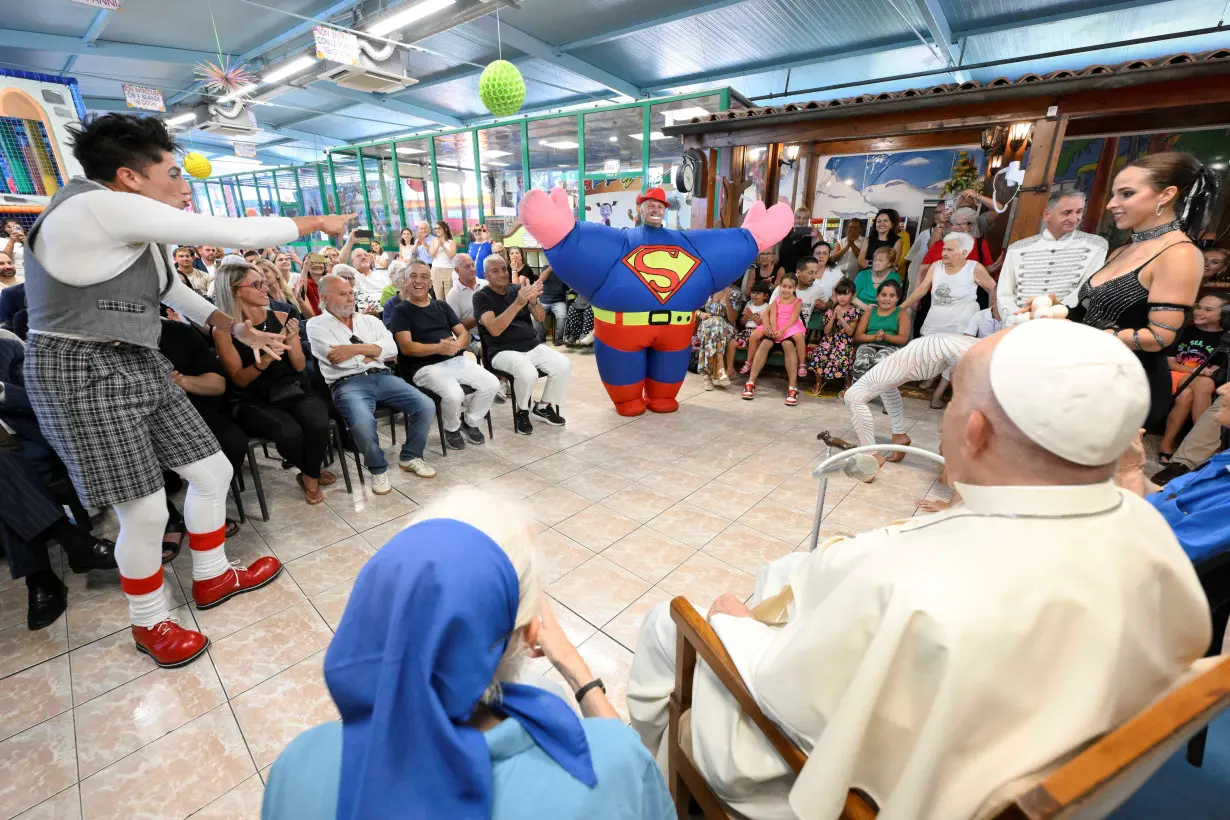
(256, 480)
(335, 434)
(440, 427)
(238, 499)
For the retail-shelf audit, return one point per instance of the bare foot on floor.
(931, 505)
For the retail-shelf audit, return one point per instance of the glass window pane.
(380, 198)
(232, 199)
(553, 155)
(499, 151)
(348, 192)
(247, 193)
(269, 205)
(309, 185)
(217, 200)
(755, 169)
(458, 182)
(286, 195)
(417, 195)
(200, 199)
(664, 152)
(614, 141)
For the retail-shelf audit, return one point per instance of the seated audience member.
(207, 258)
(834, 356)
(369, 280)
(380, 259)
(1215, 268)
(964, 220)
(281, 295)
(579, 323)
(307, 289)
(518, 268)
(867, 283)
(828, 273)
(765, 269)
(909, 664)
(952, 283)
(390, 297)
(366, 301)
(783, 326)
(424, 670)
(29, 514)
(13, 245)
(430, 339)
(1055, 262)
(752, 318)
(505, 312)
(252, 256)
(715, 328)
(197, 279)
(811, 291)
(1196, 343)
(554, 299)
(271, 398)
(13, 314)
(1195, 505)
(881, 330)
(461, 298)
(350, 348)
(332, 256)
(885, 233)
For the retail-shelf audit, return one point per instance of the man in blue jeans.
(350, 348)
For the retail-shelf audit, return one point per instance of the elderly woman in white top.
(953, 283)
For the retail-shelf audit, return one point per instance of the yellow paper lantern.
(197, 165)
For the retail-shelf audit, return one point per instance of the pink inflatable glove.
(768, 226)
(549, 218)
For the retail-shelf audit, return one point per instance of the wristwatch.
(584, 690)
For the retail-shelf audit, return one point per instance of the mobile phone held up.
(361, 233)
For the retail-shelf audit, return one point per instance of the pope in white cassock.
(930, 662)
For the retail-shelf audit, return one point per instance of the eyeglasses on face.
(261, 285)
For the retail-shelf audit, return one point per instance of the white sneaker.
(419, 467)
(587, 340)
(380, 484)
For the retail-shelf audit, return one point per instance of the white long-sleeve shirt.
(96, 236)
(326, 331)
(1042, 264)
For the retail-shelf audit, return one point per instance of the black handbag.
(286, 393)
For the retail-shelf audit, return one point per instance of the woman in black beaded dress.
(1145, 291)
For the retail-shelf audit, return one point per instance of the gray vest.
(122, 309)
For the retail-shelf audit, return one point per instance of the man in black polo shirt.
(430, 339)
(504, 314)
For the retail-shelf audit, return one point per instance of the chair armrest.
(695, 630)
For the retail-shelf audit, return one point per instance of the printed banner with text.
(143, 97)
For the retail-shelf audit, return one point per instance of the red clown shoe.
(169, 644)
(235, 581)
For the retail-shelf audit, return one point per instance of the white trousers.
(445, 380)
(862, 392)
(524, 367)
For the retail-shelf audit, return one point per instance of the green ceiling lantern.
(501, 88)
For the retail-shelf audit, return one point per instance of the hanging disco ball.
(197, 165)
(501, 88)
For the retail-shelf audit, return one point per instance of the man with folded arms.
(929, 662)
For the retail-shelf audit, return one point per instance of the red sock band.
(141, 586)
(207, 540)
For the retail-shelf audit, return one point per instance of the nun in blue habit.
(411, 668)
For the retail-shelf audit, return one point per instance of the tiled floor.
(632, 512)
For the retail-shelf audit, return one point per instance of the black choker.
(1154, 233)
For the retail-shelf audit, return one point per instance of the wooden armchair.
(1089, 784)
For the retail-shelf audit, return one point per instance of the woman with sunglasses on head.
(272, 401)
(1145, 291)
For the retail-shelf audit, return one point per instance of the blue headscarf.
(426, 625)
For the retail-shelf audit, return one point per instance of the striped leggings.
(866, 389)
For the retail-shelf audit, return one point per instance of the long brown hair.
(1197, 185)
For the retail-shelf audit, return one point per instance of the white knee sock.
(138, 552)
(205, 514)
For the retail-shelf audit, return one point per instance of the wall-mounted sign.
(337, 46)
(109, 5)
(245, 149)
(611, 166)
(143, 97)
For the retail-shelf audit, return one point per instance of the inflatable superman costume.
(645, 285)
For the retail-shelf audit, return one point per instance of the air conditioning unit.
(230, 120)
(380, 70)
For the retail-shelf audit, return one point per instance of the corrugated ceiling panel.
(769, 31)
(565, 21)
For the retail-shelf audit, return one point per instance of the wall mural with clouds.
(860, 185)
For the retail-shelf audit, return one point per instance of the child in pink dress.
(783, 324)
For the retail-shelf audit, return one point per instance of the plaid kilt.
(113, 415)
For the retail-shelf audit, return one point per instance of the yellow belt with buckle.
(649, 317)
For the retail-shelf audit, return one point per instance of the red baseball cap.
(655, 194)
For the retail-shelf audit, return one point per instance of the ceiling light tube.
(181, 119)
(403, 18)
(289, 69)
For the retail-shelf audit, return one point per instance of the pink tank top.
(783, 313)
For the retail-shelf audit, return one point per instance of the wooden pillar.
(1095, 202)
(1039, 175)
(807, 174)
(772, 173)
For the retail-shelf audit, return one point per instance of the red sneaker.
(169, 644)
(235, 581)
(749, 391)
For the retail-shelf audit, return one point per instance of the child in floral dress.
(833, 357)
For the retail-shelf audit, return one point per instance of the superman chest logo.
(661, 268)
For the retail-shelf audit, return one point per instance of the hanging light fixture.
(790, 155)
(1018, 135)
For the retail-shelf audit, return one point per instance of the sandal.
(170, 549)
(326, 478)
(747, 368)
(308, 496)
(802, 373)
(792, 396)
(936, 404)
(232, 527)
(1164, 459)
